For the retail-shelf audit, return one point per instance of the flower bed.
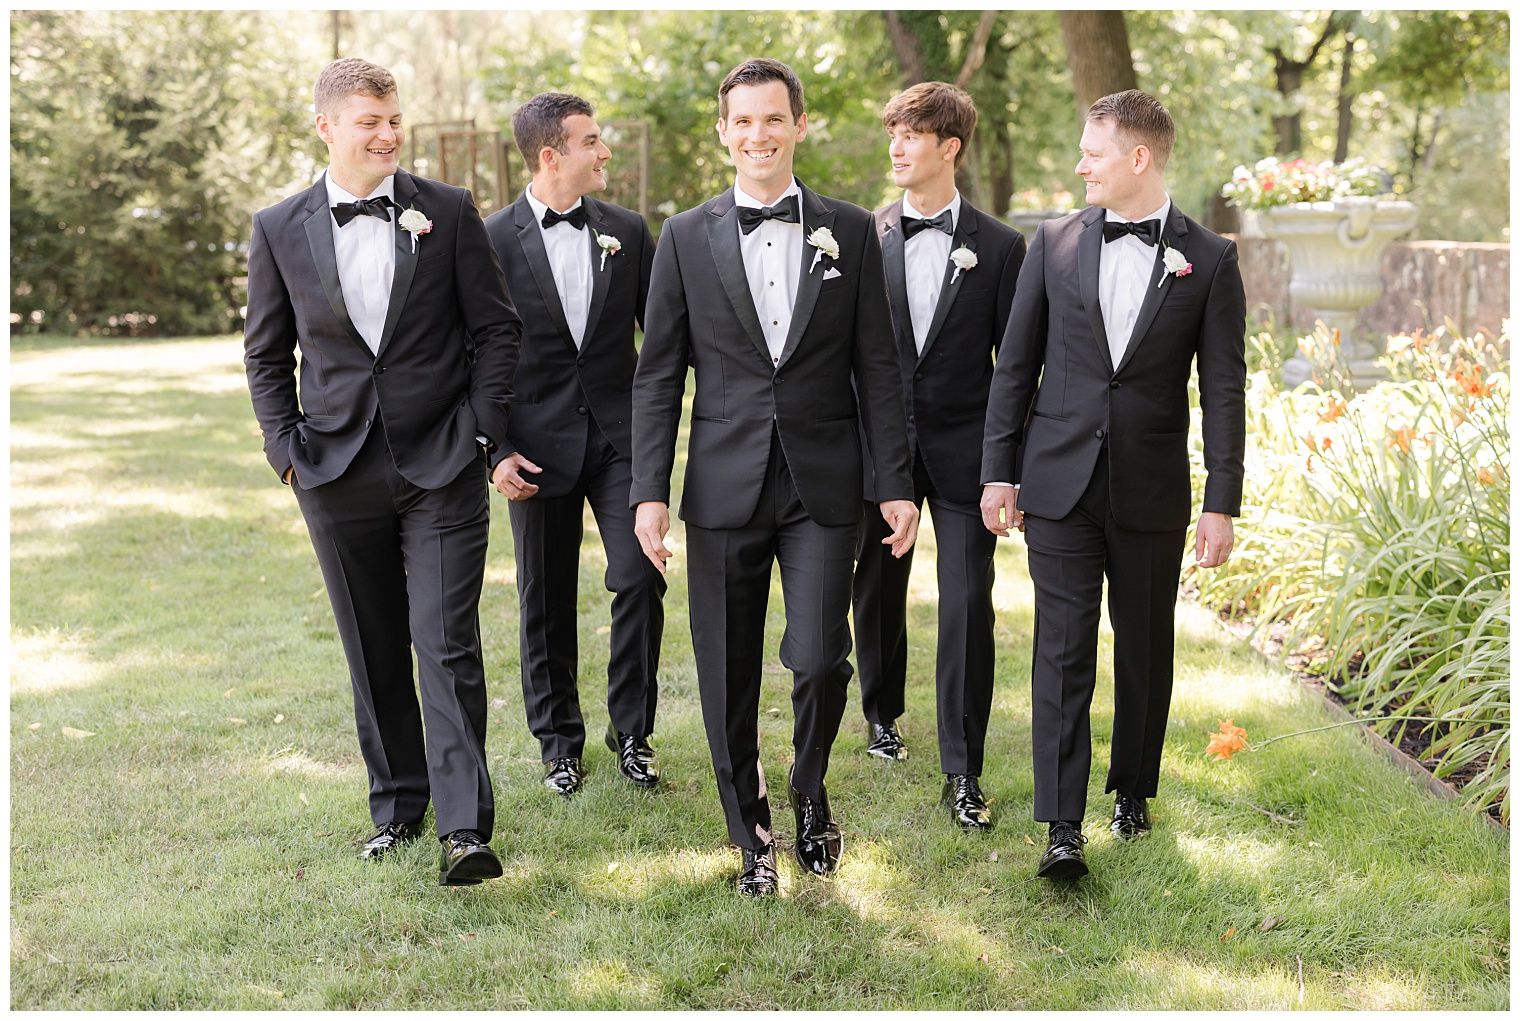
(1378, 526)
(1271, 183)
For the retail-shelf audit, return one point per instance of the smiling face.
(580, 165)
(920, 159)
(1115, 172)
(363, 141)
(762, 137)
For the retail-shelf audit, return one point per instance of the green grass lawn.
(198, 850)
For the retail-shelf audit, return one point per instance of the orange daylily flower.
(1335, 410)
(1228, 741)
(1486, 476)
(1470, 379)
(1401, 438)
(1325, 443)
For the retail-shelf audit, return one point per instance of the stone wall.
(1427, 283)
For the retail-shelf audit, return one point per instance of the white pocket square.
(832, 273)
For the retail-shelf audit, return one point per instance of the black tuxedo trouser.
(404, 567)
(1068, 560)
(964, 658)
(546, 539)
(729, 581)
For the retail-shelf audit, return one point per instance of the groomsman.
(951, 270)
(1089, 420)
(775, 295)
(579, 270)
(388, 286)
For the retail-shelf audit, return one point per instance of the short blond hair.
(1140, 119)
(350, 76)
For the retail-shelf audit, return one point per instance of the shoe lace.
(967, 785)
(466, 837)
(1063, 834)
(561, 765)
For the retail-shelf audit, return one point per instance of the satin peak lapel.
(406, 259)
(728, 257)
(1173, 234)
(319, 236)
(893, 255)
(1089, 250)
(814, 215)
(532, 241)
(603, 265)
(952, 282)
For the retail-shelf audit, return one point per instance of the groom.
(388, 286)
(1088, 419)
(776, 296)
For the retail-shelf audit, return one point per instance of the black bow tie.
(575, 218)
(913, 224)
(1148, 231)
(785, 210)
(346, 211)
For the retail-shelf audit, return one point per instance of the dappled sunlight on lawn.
(614, 982)
(638, 876)
(44, 661)
(867, 879)
(1164, 979)
(65, 507)
(296, 762)
(205, 366)
(1236, 859)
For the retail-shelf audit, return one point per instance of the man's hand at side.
(1216, 538)
(902, 515)
(1000, 509)
(508, 480)
(650, 523)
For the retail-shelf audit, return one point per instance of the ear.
(722, 127)
(952, 146)
(548, 158)
(324, 129)
(1142, 159)
(801, 127)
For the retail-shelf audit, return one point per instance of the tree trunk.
(1343, 103)
(1098, 54)
(1290, 79)
(977, 51)
(909, 59)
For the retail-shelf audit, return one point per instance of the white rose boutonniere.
(1175, 263)
(415, 223)
(823, 240)
(609, 246)
(965, 261)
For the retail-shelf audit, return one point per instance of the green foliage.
(140, 144)
(665, 67)
(1379, 527)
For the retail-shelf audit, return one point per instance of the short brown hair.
(937, 108)
(758, 71)
(540, 122)
(350, 76)
(1140, 119)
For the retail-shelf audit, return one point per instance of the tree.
(141, 142)
(1097, 48)
(1290, 80)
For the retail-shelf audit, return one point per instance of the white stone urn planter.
(1335, 249)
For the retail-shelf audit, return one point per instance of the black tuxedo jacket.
(556, 384)
(1057, 422)
(946, 387)
(443, 374)
(701, 313)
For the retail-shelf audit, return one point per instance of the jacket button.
(580, 361)
(581, 410)
(1099, 434)
(918, 377)
(366, 423)
(379, 369)
(1114, 386)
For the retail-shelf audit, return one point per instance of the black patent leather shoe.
(1063, 858)
(819, 841)
(564, 776)
(962, 794)
(466, 860)
(887, 743)
(759, 877)
(635, 759)
(388, 837)
(1132, 819)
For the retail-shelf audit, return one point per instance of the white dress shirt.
(366, 251)
(772, 260)
(925, 256)
(570, 260)
(1124, 272)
